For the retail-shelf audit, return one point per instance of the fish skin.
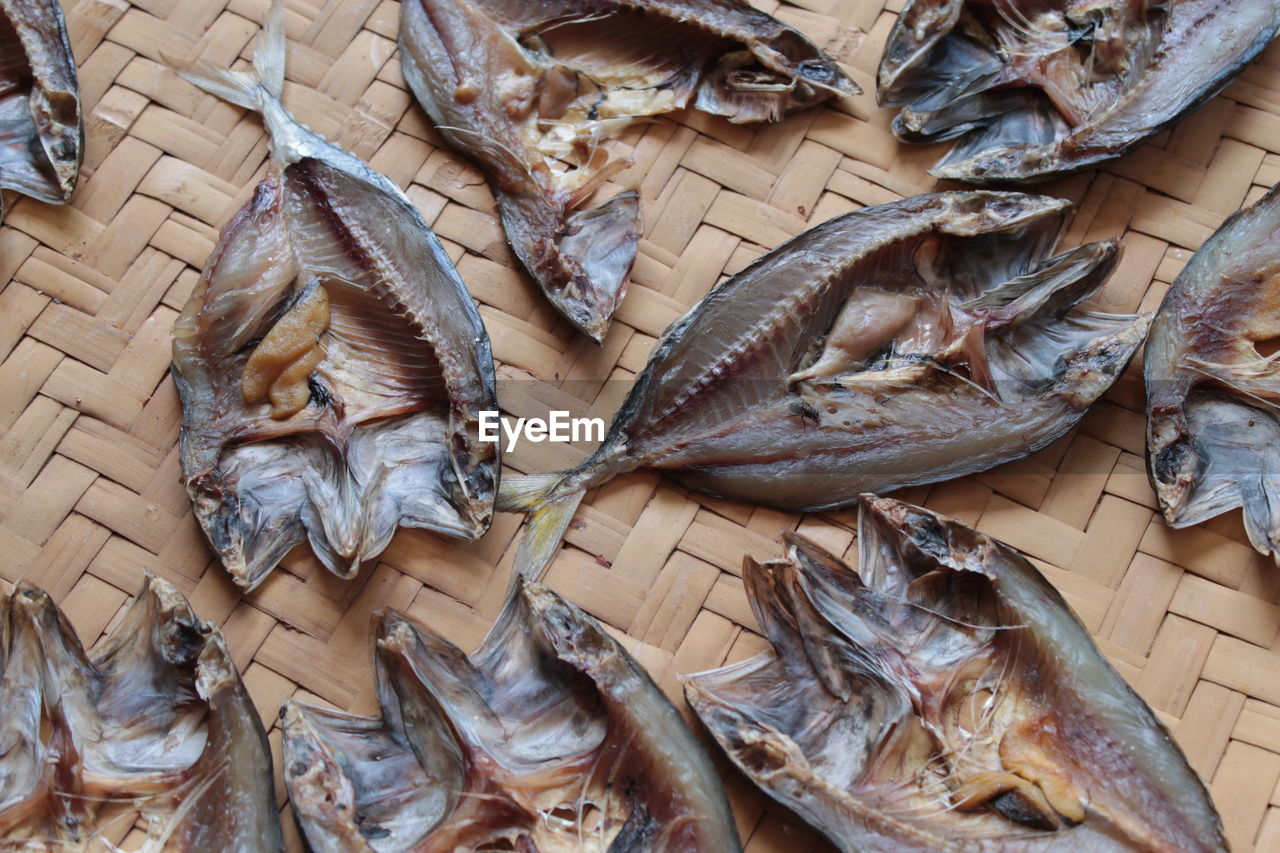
(550, 722)
(155, 714)
(487, 76)
(944, 643)
(395, 371)
(1024, 106)
(1212, 417)
(716, 405)
(41, 127)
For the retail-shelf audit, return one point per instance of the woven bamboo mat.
(89, 493)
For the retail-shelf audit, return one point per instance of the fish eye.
(816, 69)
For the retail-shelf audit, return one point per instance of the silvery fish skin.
(154, 719)
(525, 88)
(896, 345)
(944, 697)
(331, 363)
(41, 130)
(1213, 420)
(1034, 89)
(549, 738)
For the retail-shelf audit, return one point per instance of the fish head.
(943, 694)
(772, 78)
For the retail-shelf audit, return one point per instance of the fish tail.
(249, 89)
(550, 508)
(269, 52)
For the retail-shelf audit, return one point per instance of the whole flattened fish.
(944, 697)
(896, 345)
(41, 131)
(331, 363)
(1213, 401)
(548, 738)
(155, 720)
(1034, 88)
(531, 92)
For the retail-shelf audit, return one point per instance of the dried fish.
(41, 131)
(944, 697)
(549, 738)
(896, 345)
(1213, 400)
(532, 91)
(331, 364)
(1035, 88)
(154, 721)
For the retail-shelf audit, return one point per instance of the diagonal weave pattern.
(89, 492)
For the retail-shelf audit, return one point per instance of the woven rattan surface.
(89, 490)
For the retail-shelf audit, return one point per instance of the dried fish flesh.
(41, 133)
(944, 697)
(531, 92)
(548, 738)
(154, 720)
(331, 364)
(1034, 89)
(1213, 400)
(896, 345)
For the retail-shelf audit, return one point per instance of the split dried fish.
(1213, 400)
(532, 91)
(154, 720)
(1031, 89)
(549, 738)
(892, 346)
(332, 365)
(944, 697)
(41, 132)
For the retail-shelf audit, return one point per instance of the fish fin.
(1257, 380)
(549, 517)
(269, 51)
(248, 89)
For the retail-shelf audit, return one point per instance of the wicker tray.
(89, 493)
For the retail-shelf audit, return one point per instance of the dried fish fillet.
(1213, 400)
(1034, 89)
(332, 365)
(896, 345)
(41, 131)
(532, 91)
(154, 721)
(549, 738)
(944, 697)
